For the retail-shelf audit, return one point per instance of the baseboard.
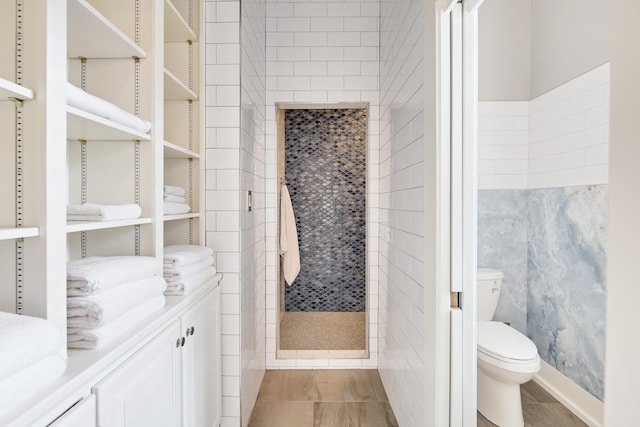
(580, 402)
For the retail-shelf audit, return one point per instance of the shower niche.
(322, 161)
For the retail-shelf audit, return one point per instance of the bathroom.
(331, 53)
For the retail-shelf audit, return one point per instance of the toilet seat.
(504, 343)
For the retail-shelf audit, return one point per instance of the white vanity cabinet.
(173, 380)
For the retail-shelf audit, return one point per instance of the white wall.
(405, 368)
(558, 139)
(322, 52)
(222, 168)
(568, 38)
(252, 223)
(504, 56)
(623, 293)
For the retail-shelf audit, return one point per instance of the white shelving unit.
(10, 90)
(142, 56)
(182, 126)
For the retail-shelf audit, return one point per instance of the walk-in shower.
(322, 168)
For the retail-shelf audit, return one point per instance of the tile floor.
(327, 398)
(323, 331)
(356, 398)
(540, 409)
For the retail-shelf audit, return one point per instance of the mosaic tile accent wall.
(325, 171)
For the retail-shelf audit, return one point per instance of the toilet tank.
(489, 284)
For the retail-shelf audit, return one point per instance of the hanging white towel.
(288, 238)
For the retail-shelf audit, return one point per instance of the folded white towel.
(25, 340)
(171, 208)
(173, 198)
(102, 336)
(100, 273)
(174, 189)
(177, 274)
(97, 212)
(189, 283)
(78, 98)
(176, 256)
(97, 309)
(28, 381)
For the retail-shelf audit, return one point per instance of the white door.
(458, 50)
(145, 390)
(201, 373)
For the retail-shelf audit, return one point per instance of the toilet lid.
(496, 338)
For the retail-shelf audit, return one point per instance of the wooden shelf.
(181, 216)
(91, 35)
(9, 89)
(90, 127)
(176, 29)
(75, 226)
(176, 90)
(173, 151)
(18, 233)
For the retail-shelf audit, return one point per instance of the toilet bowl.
(506, 358)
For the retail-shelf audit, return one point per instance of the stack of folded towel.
(187, 267)
(108, 295)
(78, 98)
(174, 201)
(28, 357)
(96, 212)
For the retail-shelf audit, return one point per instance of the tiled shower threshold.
(323, 354)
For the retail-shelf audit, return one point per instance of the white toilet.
(506, 357)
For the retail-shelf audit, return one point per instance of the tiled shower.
(325, 152)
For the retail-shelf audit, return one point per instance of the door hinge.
(456, 298)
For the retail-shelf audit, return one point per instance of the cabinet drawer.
(82, 414)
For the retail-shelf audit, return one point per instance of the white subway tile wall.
(503, 144)
(251, 342)
(569, 133)
(559, 139)
(321, 52)
(401, 231)
(222, 184)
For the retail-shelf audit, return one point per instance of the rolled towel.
(175, 199)
(175, 274)
(97, 309)
(25, 340)
(100, 273)
(99, 337)
(174, 190)
(176, 256)
(171, 208)
(85, 101)
(26, 382)
(97, 212)
(189, 283)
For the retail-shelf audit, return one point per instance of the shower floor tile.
(323, 331)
